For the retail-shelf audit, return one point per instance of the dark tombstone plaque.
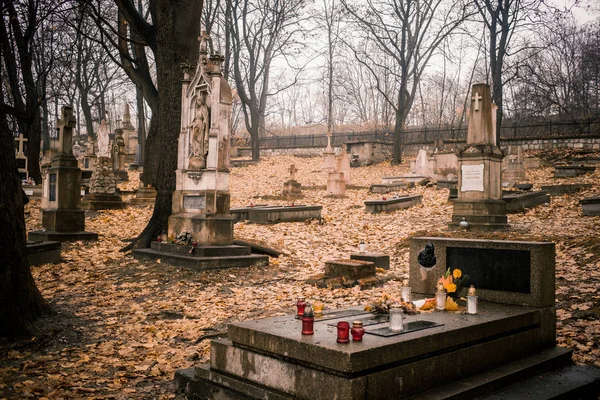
(52, 195)
(21, 163)
(194, 202)
(493, 269)
(86, 163)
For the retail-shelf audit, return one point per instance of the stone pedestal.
(145, 196)
(328, 161)
(292, 190)
(336, 184)
(103, 188)
(479, 201)
(62, 217)
(590, 206)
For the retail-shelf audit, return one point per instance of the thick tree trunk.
(20, 301)
(177, 30)
(139, 96)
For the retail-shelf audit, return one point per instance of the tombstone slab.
(43, 252)
(392, 204)
(275, 214)
(567, 188)
(590, 206)
(518, 202)
(349, 269)
(572, 171)
(380, 260)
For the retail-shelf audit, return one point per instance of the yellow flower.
(457, 273)
(450, 287)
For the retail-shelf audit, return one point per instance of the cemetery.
(168, 247)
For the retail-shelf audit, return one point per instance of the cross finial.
(21, 140)
(66, 123)
(293, 171)
(476, 98)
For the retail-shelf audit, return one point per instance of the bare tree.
(409, 31)
(261, 30)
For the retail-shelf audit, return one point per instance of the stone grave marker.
(513, 167)
(392, 203)
(62, 217)
(145, 195)
(439, 355)
(201, 221)
(103, 188)
(21, 157)
(291, 187)
(479, 199)
(590, 206)
(118, 156)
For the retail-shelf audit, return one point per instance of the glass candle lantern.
(308, 321)
(357, 331)
(300, 305)
(405, 291)
(440, 297)
(343, 332)
(472, 301)
(362, 247)
(396, 318)
(318, 307)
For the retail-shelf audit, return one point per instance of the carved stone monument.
(62, 218)
(291, 187)
(513, 169)
(201, 197)
(479, 205)
(130, 136)
(118, 156)
(103, 188)
(103, 139)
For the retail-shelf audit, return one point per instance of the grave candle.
(357, 331)
(318, 307)
(472, 301)
(405, 291)
(396, 316)
(300, 305)
(440, 297)
(362, 247)
(308, 320)
(343, 332)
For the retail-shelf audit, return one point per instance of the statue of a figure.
(103, 149)
(199, 137)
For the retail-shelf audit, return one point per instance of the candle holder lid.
(300, 298)
(472, 291)
(396, 306)
(405, 282)
(440, 287)
(357, 324)
(308, 311)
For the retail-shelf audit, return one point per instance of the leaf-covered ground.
(123, 327)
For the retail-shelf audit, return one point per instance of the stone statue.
(103, 139)
(199, 136)
(426, 257)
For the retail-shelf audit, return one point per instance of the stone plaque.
(493, 269)
(28, 192)
(52, 195)
(472, 178)
(21, 163)
(194, 202)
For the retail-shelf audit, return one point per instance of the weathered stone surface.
(390, 187)
(380, 260)
(102, 201)
(43, 252)
(571, 171)
(349, 269)
(517, 202)
(540, 261)
(590, 206)
(145, 196)
(274, 214)
(392, 204)
(567, 188)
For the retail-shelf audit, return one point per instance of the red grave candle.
(343, 332)
(300, 305)
(357, 331)
(308, 321)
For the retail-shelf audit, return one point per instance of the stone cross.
(476, 98)
(66, 123)
(293, 171)
(21, 140)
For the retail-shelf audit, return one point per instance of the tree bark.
(177, 30)
(20, 300)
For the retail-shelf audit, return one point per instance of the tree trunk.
(175, 21)
(20, 300)
(139, 96)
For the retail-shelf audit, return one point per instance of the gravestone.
(567, 188)
(572, 171)
(479, 199)
(336, 184)
(130, 136)
(437, 355)
(118, 156)
(21, 157)
(291, 187)
(513, 166)
(144, 196)
(62, 217)
(343, 165)
(392, 204)
(590, 206)
(423, 164)
(328, 158)
(103, 188)
(445, 164)
(201, 197)
(520, 201)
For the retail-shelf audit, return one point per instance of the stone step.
(202, 251)
(500, 377)
(201, 263)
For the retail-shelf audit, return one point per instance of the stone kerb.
(509, 272)
(590, 206)
(571, 171)
(392, 204)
